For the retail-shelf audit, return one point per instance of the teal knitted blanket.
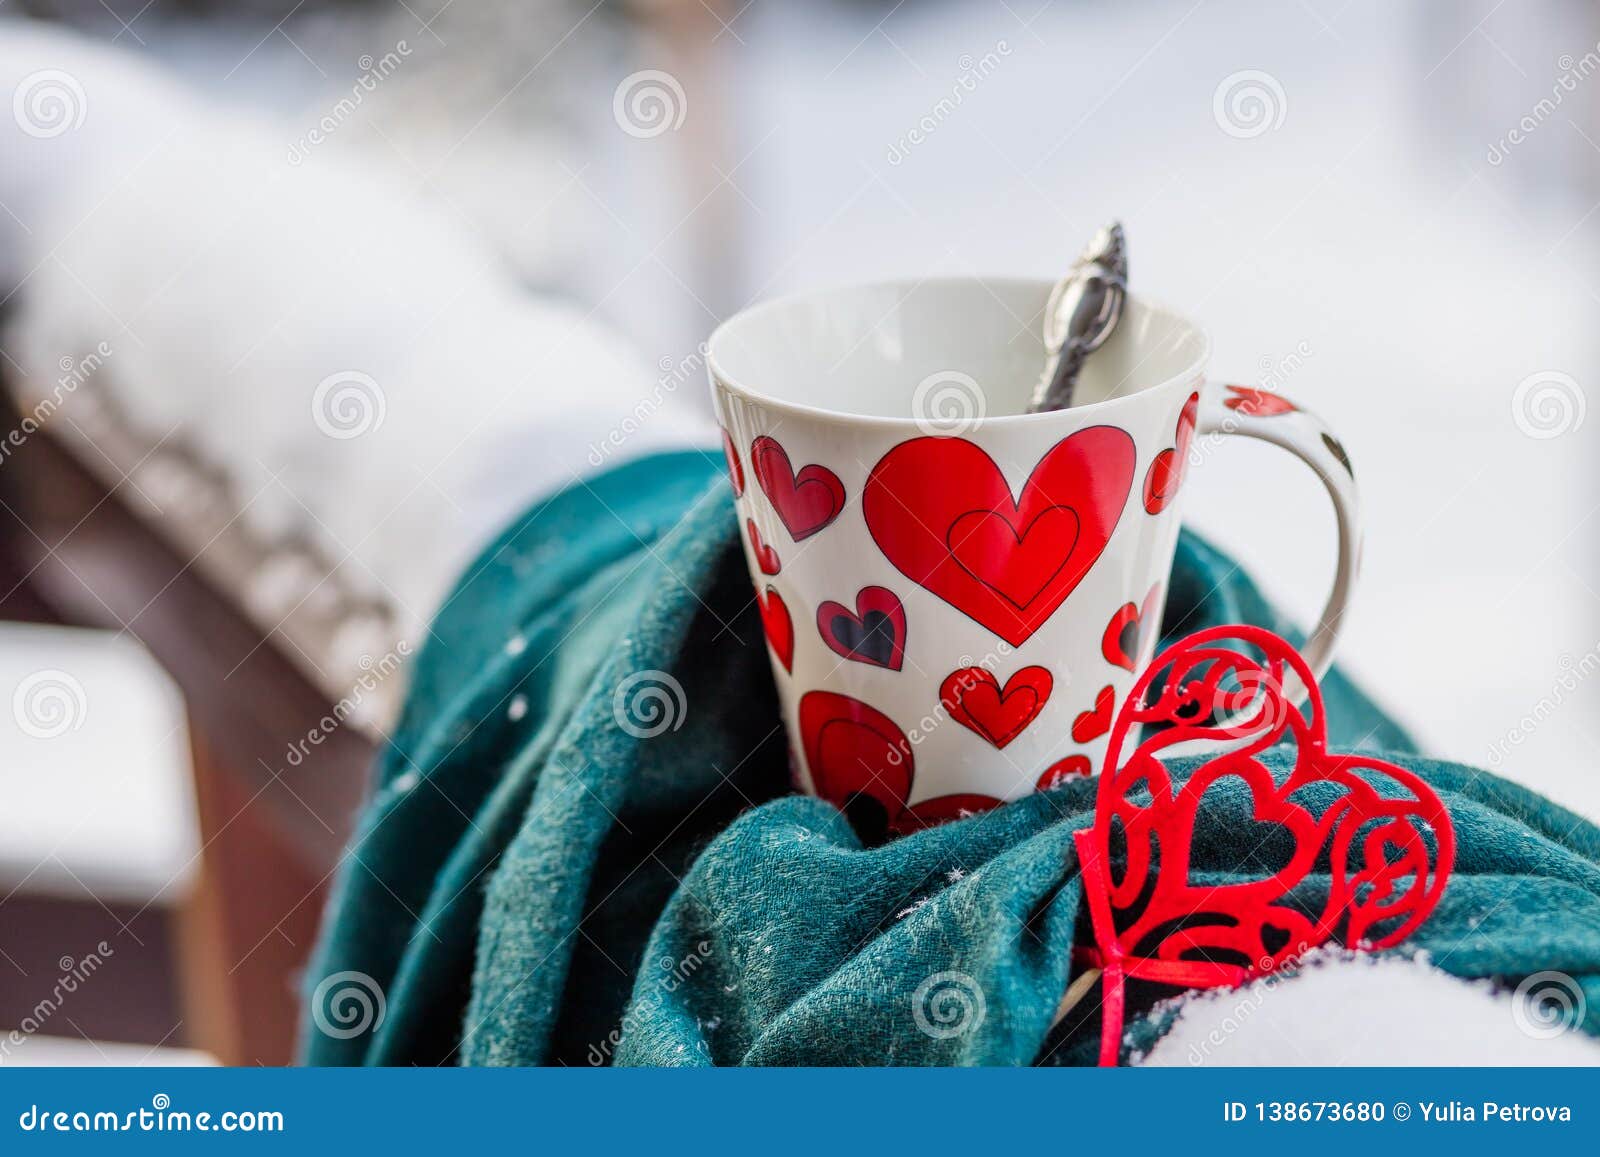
(532, 884)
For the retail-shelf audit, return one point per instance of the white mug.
(957, 594)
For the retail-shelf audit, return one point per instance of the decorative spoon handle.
(1083, 309)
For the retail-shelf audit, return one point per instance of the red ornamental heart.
(778, 626)
(805, 502)
(1059, 772)
(943, 514)
(860, 761)
(1095, 722)
(1361, 823)
(735, 467)
(1256, 403)
(766, 557)
(1165, 475)
(974, 699)
(1131, 626)
(874, 634)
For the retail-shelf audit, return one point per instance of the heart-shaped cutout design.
(874, 634)
(1165, 475)
(1096, 721)
(1059, 772)
(805, 502)
(975, 699)
(1254, 403)
(1132, 626)
(1364, 825)
(860, 761)
(735, 467)
(766, 557)
(778, 626)
(943, 515)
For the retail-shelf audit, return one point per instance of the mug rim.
(719, 376)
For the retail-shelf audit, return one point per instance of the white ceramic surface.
(958, 595)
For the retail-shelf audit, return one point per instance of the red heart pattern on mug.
(975, 699)
(942, 512)
(1165, 475)
(806, 502)
(1096, 721)
(875, 633)
(778, 626)
(860, 761)
(855, 754)
(941, 809)
(1254, 403)
(766, 557)
(1131, 627)
(1059, 772)
(735, 467)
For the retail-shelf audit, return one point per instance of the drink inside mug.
(866, 350)
(958, 595)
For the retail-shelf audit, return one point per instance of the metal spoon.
(1083, 309)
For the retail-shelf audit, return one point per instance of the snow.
(1353, 1009)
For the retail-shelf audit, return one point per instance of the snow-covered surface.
(1344, 1009)
(96, 790)
(366, 373)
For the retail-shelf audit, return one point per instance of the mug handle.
(1254, 413)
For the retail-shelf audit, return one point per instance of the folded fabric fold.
(540, 879)
(790, 943)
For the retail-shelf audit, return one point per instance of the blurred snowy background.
(499, 229)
